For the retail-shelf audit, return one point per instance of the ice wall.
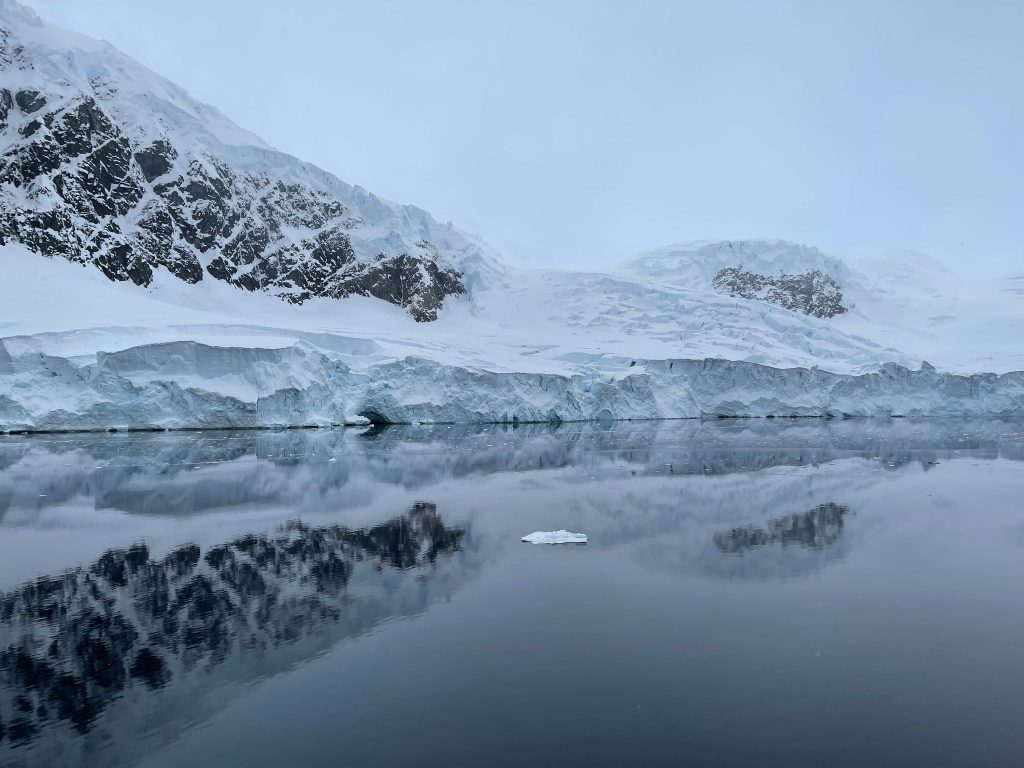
(187, 384)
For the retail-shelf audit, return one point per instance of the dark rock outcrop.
(812, 292)
(80, 181)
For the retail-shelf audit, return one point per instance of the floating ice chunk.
(555, 537)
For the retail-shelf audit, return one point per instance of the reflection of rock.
(73, 644)
(819, 528)
(692, 541)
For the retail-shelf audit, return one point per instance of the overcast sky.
(579, 133)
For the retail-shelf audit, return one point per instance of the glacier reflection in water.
(153, 583)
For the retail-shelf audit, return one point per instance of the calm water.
(754, 593)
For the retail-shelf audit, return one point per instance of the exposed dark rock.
(92, 196)
(156, 159)
(6, 102)
(29, 101)
(29, 128)
(420, 286)
(812, 293)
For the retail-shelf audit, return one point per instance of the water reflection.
(77, 646)
(187, 473)
(110, 662)
(818, 528)
(767, 548)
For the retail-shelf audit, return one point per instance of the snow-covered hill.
(908, 304)
(695, 265)
(200, 230)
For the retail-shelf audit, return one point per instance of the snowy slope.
(952, 319)
(694, 265)
(163, 334)
(903, 301)
(105, 162)
(556, 346)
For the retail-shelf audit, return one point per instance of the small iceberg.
(555, 537)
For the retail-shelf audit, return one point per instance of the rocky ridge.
(103, 162)
(812, 293)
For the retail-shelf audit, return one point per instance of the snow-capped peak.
(105, 162)
(60, 60)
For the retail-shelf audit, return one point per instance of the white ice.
(555, 537)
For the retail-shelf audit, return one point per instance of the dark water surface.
(754, 593)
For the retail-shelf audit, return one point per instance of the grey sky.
(578, 133)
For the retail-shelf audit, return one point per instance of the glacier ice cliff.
(187, 384)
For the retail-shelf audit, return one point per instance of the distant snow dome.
(695, 265)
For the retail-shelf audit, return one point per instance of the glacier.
(78, 352)
(187, 385)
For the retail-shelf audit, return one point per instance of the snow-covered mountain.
(199, 230)
(106, 162)
(695, 265)
(788, 275)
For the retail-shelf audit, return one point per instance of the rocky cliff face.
(812, 293)
(103, 162)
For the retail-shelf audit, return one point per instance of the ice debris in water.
(555, 537)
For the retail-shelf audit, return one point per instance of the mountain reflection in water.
(206, 626)
(74, 643)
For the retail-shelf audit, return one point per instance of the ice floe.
(555, 537)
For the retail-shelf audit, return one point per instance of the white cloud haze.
(579, 133)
